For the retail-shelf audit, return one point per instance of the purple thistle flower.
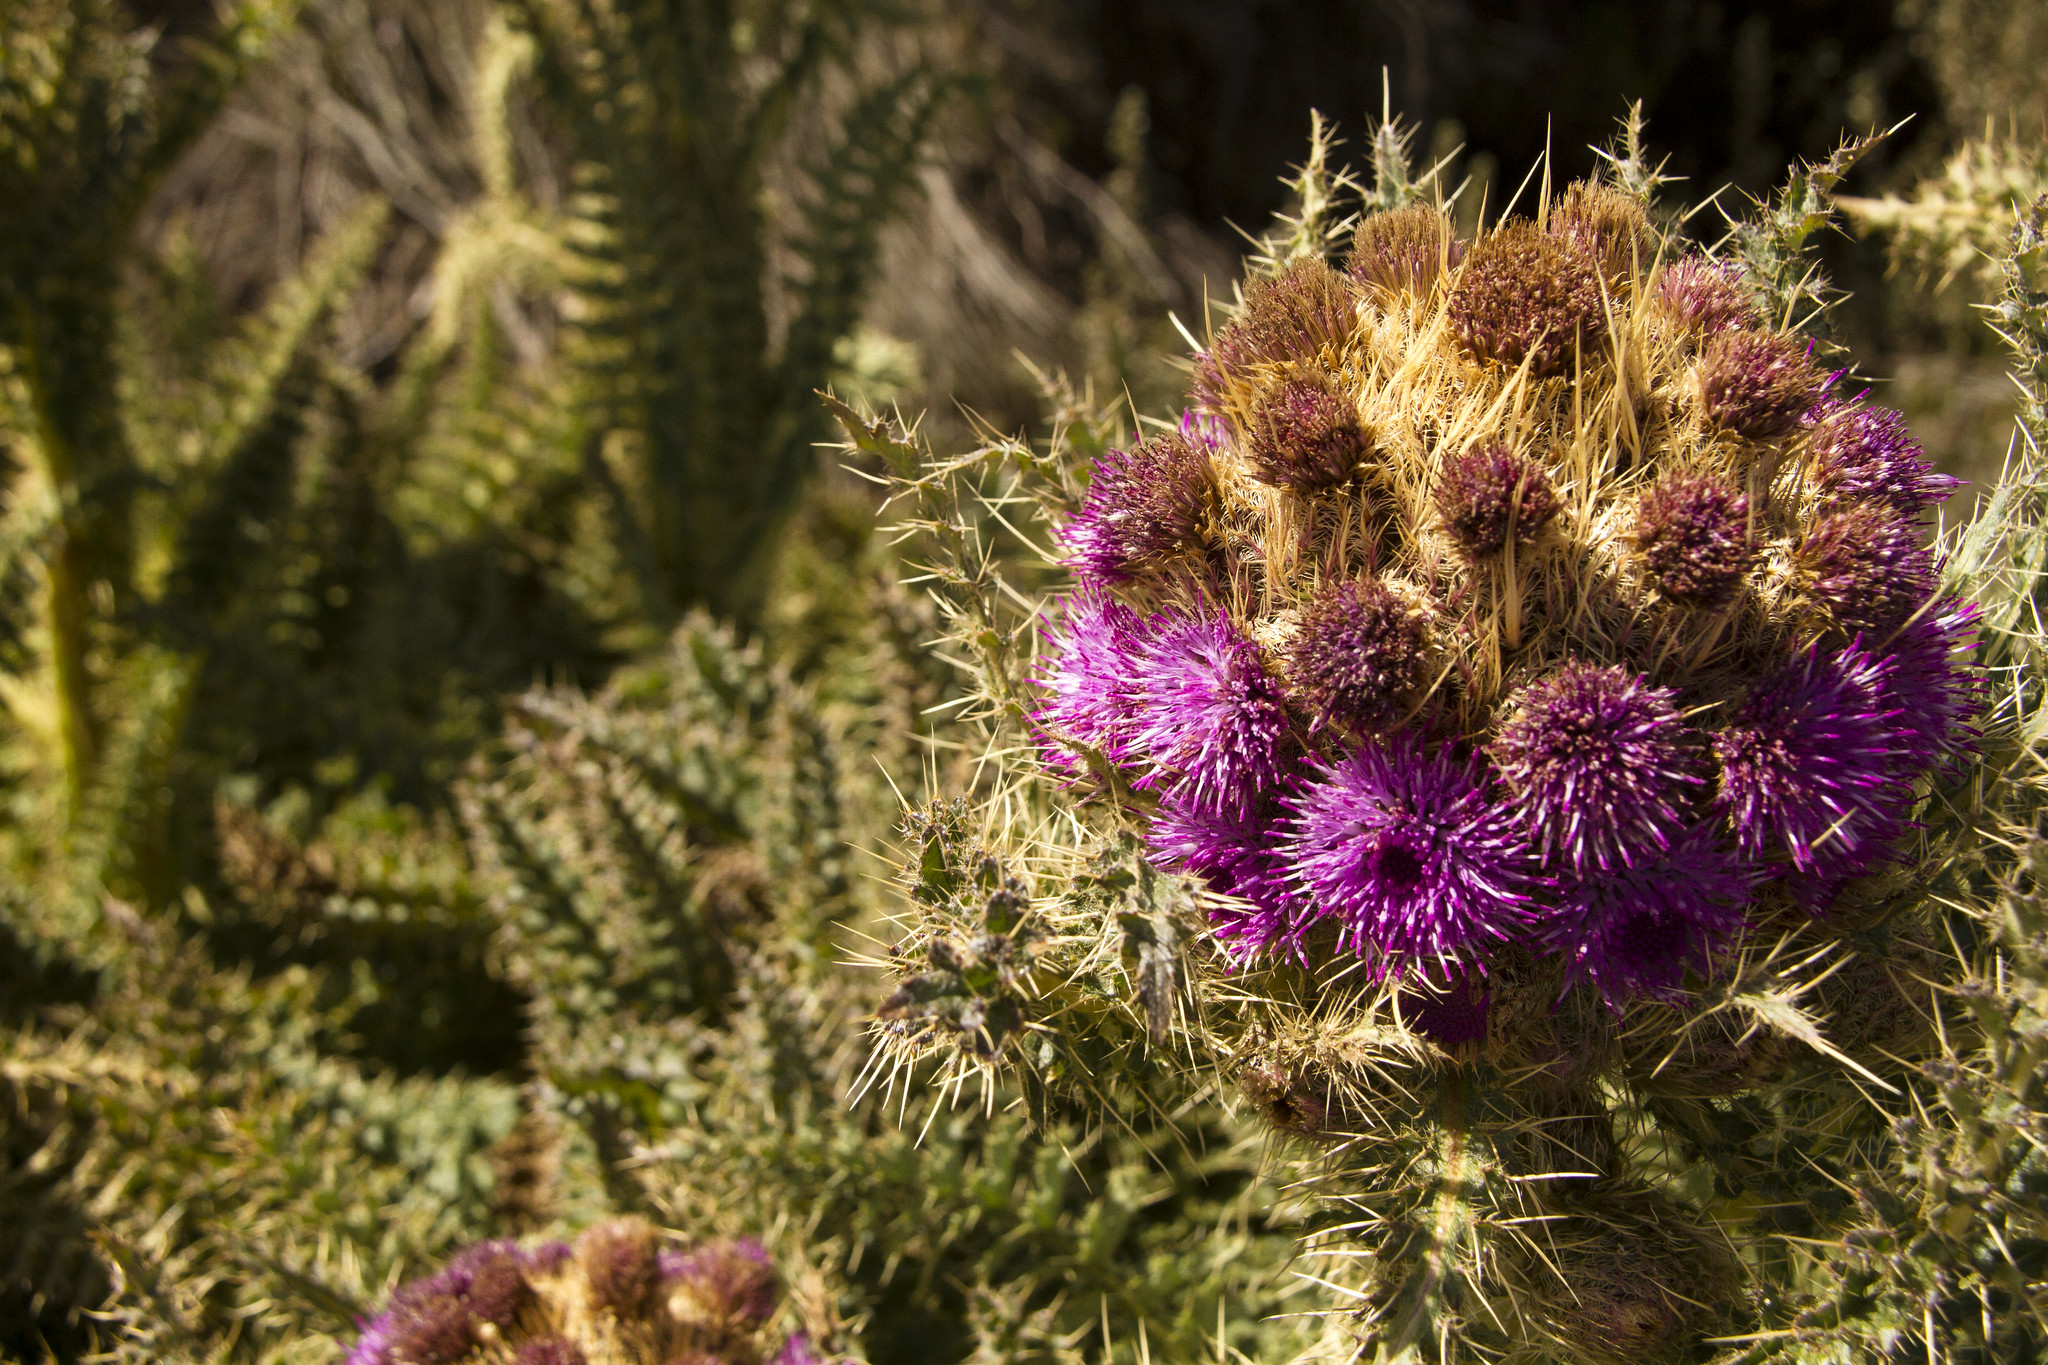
(1358, 649)
(1307, 436)
(1867, 564)
(1144, 506)
(1210, 720)
(429, 1329)
(373, 1344)
(1693, 534)
(1598, 763)
(1929, 681)
(1235, 855)
(1809, 768)
(620, 1264)
(1409, 852)
(1867, 453)
(1090, 677)
(1206, 434)
(1489, 493)
(1757, 385)
(1635, 930)
(1707, 297)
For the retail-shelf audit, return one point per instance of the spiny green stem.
(1449, 1215)
(67, 575)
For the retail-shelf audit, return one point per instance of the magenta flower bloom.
(1810, 766)
(1235, 855)
(1090, 678)
(1144, 506)
(1599, 766)
(1409, 852)
(1635, 930)
(1210, 721)
(1930, 684)
(1866, 453)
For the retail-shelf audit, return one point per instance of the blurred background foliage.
(451, 701)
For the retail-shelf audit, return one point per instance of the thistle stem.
(67, 575)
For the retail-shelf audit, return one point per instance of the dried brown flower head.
(1524, 295)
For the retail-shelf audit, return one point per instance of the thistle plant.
(622, 1292)
(1506, 726)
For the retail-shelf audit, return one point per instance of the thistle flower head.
(1234, 854)
(1862, 454)
(430, 1329)
(1089, 677)
(1610, 226)
(619, 1264)
(623, 1294)
(497, 1289)
(1810, 766)
(1757, 385)
(729, 1285)
(1490, 493)
(1210, 720)
(1356, 652)
(1526, 296)
(1599, 766)
(1409, 852)
(1636, 930)
(1929, 683)
(1304, 311)
(1145, 507)
(1706, 297)
(1866, 563)
(1692, 532)
(1403, 251)
(1307, 435)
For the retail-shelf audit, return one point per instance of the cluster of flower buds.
(1531, 589)
(622, 1295)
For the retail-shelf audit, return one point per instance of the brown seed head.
(1358, 648)
(434, 1330)
(1693, 534)
(1756, 384)
(619, 1265)
(1610, 226)
(1866, 563)
(1526, 295)
(1402, 251)
(1307, 435)
(1489, 492)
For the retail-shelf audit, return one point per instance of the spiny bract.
(1545, 595)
